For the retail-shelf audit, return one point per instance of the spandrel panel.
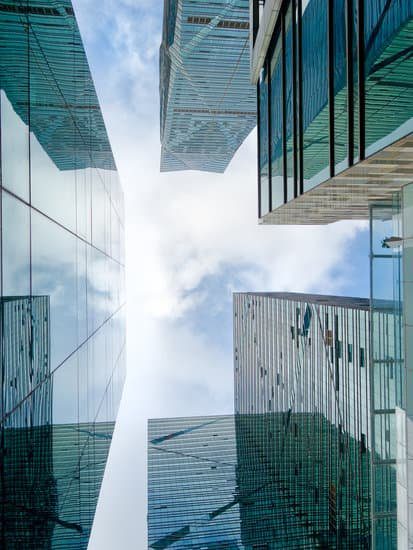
(58, 271)
(16, 247)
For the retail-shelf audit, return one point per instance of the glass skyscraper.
(334, 82)
(62, 282)
(208, 105)
(317, 358)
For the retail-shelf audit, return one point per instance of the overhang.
(348, 195)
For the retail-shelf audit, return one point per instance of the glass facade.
(207, 103)
(192, 494)
(311, 358)
(342, 77)
(62, 282)
(387, 372)
(245, 482)
(391, 282)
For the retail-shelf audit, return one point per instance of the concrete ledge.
(265, 30)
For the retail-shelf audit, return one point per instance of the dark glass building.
(334, 82)
(62, 291)
(207, 103)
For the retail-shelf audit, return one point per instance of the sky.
(192, 239)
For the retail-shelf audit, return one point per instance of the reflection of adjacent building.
(302, 482)
(62, 266)
(271, 480)
(192, 501)
(28, 488)
(50, 473)
(80, 452)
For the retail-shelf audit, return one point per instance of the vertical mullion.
(259, 150)
(361, 77)
(294, 86)
(350, 82)
(284, 104)
(300, 98)
(268, 69)
(330, 47)
(254, 19)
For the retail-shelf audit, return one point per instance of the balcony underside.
(348, 195)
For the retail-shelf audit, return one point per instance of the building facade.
(62, 282)
(333, 363)
(207, 103)
(335, 108)
(192, 495)
(245, 482)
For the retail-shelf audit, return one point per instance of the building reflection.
(272, 480)
(50, 473)
(28, 485)
(62, 275)
(302, 482)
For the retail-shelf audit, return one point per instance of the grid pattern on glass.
(62, 289)
(305, 358)
(236, 482)
(387, 367)
(208, 105)
(346, 82)
(192, 492)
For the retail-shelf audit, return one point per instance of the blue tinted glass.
(315, 93)
(389, 68)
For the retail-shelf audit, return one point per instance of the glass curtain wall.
(62, 289)
(341, 77)
(304, 360)
(387, 368)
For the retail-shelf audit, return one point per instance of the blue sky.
(192, 239)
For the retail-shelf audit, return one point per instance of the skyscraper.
(208, 105)
(62, 290)
(313, 358)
